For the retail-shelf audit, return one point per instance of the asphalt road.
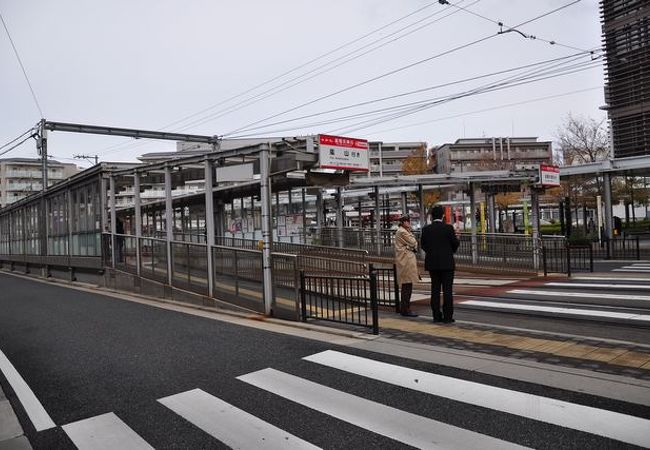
(85, 355)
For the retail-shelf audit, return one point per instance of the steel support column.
(209, 221)
(607, 198)
(169, 221)
(265, 195)
(492, 213)
(377, 221)
(472, 215)
(113, 220)
(405, 208)
(534, 212)
(339, 216)
(138, 219)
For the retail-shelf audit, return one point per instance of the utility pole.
(88, 158)
(41, 145)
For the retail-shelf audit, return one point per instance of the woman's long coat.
(405, 247)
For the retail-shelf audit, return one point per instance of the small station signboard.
(549, 176)
(343, 153)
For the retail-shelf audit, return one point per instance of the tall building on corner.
(626, 35)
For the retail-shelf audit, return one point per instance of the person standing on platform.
(439, 242)
(406, 246)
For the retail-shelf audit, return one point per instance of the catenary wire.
(501, 24)
(20, 62)
(540, 71)
(417, 109)
(399, 69)
(321, 69)
(417, 91)
(297, 80)
(401, 110)
(15, 139)
(492, 108)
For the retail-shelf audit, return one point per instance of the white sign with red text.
(549, 175)
(343, 153)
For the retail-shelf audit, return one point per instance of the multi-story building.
(480, 154)
(626, 33)
(19, 177)
(386, 158)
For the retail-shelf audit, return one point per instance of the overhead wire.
(393, 72)
(4, 152)
(327, 67)
(15, 139)
(20, 62)
(300, 79)
(492, 108)
(550, 69)
(508, 28)
(419, 108)
(416, 91)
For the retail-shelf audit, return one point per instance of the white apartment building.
(502, 153)
(20, 177)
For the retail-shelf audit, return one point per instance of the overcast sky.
(150, 63)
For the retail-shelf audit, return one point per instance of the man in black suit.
(439, 241)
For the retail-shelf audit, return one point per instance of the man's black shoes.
(448, 321)
(409, 314)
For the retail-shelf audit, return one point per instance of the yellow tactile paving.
(618, 356)
(606, 354)
(633, 359)
(576, 351)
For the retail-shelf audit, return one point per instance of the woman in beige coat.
(407, 268)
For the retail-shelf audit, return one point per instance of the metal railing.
(631, 246)
(558, 256)
(348, 300)
(387, 287)
(190, 267)
(153, 259)
(237, 277)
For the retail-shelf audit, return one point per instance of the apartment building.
(19, 177)
(502, 153)
(626, 35)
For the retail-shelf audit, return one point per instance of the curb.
(12, 435)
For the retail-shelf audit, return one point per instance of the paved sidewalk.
(601, 355)
(11, 433)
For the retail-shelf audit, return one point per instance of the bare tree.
(583, 140)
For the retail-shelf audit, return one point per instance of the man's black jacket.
(439, 242)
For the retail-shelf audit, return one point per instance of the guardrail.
(348, 300)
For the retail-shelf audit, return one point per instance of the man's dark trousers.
(444, 279)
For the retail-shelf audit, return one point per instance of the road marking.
(228, 424)
(622, 427)
(560, 310)
(104, 432)
(632, 269)
(405, 427)
(601, 285)
(611, 278)
(579, 294)
(34, 409)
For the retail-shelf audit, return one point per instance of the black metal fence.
(348, 300)
(387, 286)
(558, 256)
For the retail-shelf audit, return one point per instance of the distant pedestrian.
(439, 242)
(407, 268)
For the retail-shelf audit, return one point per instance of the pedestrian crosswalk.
(634, 267)
(599, 297)
(234, 426)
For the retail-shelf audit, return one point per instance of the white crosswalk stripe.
(237, 428)
(625, 428)
(600, 285)
(579, 294)
(405, 427)
(230, 425)
(558, 310)
(105, 432)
